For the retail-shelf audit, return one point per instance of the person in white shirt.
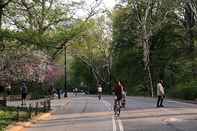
(160, 93)
(99, 91)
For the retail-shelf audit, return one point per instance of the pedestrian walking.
(50, 91)
(23, 92)
(58, 93)
(8, 89)
(76, 91)
(160, 93)
(99, 90)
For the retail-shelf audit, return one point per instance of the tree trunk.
(146, 49)
(189, 24)
(150, 80)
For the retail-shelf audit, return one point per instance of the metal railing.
(28, 108)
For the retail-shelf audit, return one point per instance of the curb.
(20, 126)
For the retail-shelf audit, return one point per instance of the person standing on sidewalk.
(160, 93)
(23, 92)
(8, 88)
(58, 93)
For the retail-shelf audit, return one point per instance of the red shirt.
(118, 90)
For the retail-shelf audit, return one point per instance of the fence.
(33, 108)
(28, 108)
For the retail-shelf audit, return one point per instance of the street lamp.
(65, 84)
(110, 71)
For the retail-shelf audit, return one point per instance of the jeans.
(160, 101)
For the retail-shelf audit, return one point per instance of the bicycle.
(99, 95)
(123, 101)
(117, 107)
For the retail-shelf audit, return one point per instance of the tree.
(93, 49)
(150, 15)
(3, 5)
(189, 23)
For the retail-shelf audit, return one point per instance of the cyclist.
(120, 96)
(99, 91)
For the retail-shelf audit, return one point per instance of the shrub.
(186, 91)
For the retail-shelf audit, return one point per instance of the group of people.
(120, 93)
(55, 92)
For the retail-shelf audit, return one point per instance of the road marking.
(182, 103)
(113, 123)
(120, 125)
(109, 106)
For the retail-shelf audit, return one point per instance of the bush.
(186, 91)
(6, 117)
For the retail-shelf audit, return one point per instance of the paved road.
(85, 113)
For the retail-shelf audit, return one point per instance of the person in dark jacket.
(23, 92)
(58, 93)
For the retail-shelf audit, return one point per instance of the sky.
(109, 4)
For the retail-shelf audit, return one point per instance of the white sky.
(105, 4)
(109, 3)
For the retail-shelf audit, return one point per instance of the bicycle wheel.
(115, 108)
(118, 109)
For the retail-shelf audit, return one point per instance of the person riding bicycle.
(118, 97)
(120, 93)
(99, 89)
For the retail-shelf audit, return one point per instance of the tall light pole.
(65, 84)
(110, 71)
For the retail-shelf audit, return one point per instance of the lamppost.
(110, 71)
(65, 84)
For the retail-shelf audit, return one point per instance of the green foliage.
(186, 91)
(129, 68)
(82, 77)
(50, 27)
(59, 84)
(127, 56)
(8, 115)
(169, 59)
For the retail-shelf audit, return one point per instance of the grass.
(9, 115)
